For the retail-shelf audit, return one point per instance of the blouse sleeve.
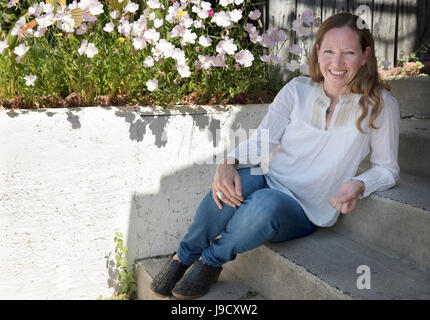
(384, 145)
(268, 134)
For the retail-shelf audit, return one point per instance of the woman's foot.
(197, 281)
(168, 276)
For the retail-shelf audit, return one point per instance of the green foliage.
(126, 276)
(117, 70)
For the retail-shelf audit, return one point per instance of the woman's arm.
(384, 145)
(384, 171)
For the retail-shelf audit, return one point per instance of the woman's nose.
(338, 59)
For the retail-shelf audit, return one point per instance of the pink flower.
(211, 12)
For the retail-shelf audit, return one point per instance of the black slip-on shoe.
(197, 281)
(169, 275)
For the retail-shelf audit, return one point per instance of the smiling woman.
(303, 161)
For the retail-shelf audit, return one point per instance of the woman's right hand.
(227, 180)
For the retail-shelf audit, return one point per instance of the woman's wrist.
(361, 185)
(230, 160)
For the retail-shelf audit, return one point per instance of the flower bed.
(156, 52)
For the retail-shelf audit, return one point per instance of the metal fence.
(399, 27)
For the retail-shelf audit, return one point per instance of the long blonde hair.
(366, 81)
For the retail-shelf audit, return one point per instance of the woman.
(319, 130)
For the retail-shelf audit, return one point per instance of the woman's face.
(340, 58)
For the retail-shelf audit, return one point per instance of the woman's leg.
(209, 221)
(266, 215)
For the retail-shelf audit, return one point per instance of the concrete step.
(324, 265)
(413, 95)
(395, 221)
(228, 286)
(414, 146)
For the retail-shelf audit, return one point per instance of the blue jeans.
(265, 215)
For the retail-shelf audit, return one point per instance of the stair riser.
(414, 155)
(397, 229)
(279, 279)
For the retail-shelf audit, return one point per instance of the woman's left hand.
(346, 197)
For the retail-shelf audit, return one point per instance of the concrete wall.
(70, 177)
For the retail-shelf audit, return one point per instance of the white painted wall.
(70, 177)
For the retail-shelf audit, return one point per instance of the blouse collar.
(342, 97)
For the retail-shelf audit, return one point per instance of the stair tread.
(335, 258)
(410, 189)
(228, 286)
(415, 126)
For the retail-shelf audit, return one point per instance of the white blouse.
(299, 157)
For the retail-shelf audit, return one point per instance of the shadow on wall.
(158, 220)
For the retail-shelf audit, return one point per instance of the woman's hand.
(346, 197)
(227, 180)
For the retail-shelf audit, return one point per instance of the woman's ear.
(367, 53)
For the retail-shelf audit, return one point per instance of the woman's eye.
(328, 51)
(349, 52)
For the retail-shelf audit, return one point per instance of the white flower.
(183, 70)
(153, 4)
(114, 14)
(226, 46)
(45, 20)
(47, 8)
(385, 64)
(139, 43)
(225, 3)
(205, 62)
(205, 41)
(293, 65)
(222, 19)
(236, 15)
(3, 45)
(152, 35)
(109, 27)
(188, 37)
(198, 24)
(267, 41)
(12, 3)
(81, 50)
(148, 62)
(238, 2)
(244, 57)
(152, 85)
(88, 48)
(158, 23)
(125, 27)
(296, 50)
(166, 48)
(303, 31)
(179, 56)
(255, 37)
(307, 17)
(95, 8)
(18, 25)
(278, 35)
(271, 59)
(205, 5)
(82, 29)
(219, 60)
(131, 7)
(304, 69)
(29, 80)
(250, 28)
(91, 50)
(21, 50)
(254, 15)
